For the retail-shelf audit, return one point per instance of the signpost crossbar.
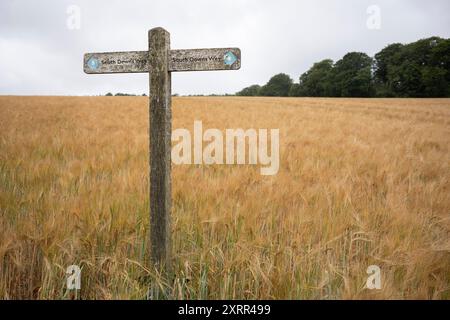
(180, 60)
(160, 61)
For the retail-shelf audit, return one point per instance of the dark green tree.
(384, 59)
(437, 76)
(435, 82)
(295, 90)
(316, 82)
(418, 69)
(382, 64)
(352, 76)
(440, 56)
(278, 86)
(251, 91)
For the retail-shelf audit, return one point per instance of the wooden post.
(159, 61)
(160, 112)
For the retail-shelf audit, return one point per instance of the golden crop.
(361, 182)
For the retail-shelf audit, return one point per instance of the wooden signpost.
(159, 61)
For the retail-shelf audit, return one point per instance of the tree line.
(418, 69)
(120, 94)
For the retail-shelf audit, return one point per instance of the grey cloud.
(40, 55)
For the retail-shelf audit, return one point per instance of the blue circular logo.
(93, 63)
(229, 58)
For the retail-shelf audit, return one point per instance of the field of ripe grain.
(361, 182)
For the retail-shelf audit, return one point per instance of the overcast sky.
(41, 46)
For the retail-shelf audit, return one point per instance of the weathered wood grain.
(160, 61)
(160, 146)
(180, 60)
(116, 62)
(205, 59)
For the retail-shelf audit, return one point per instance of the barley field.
(361, 182)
